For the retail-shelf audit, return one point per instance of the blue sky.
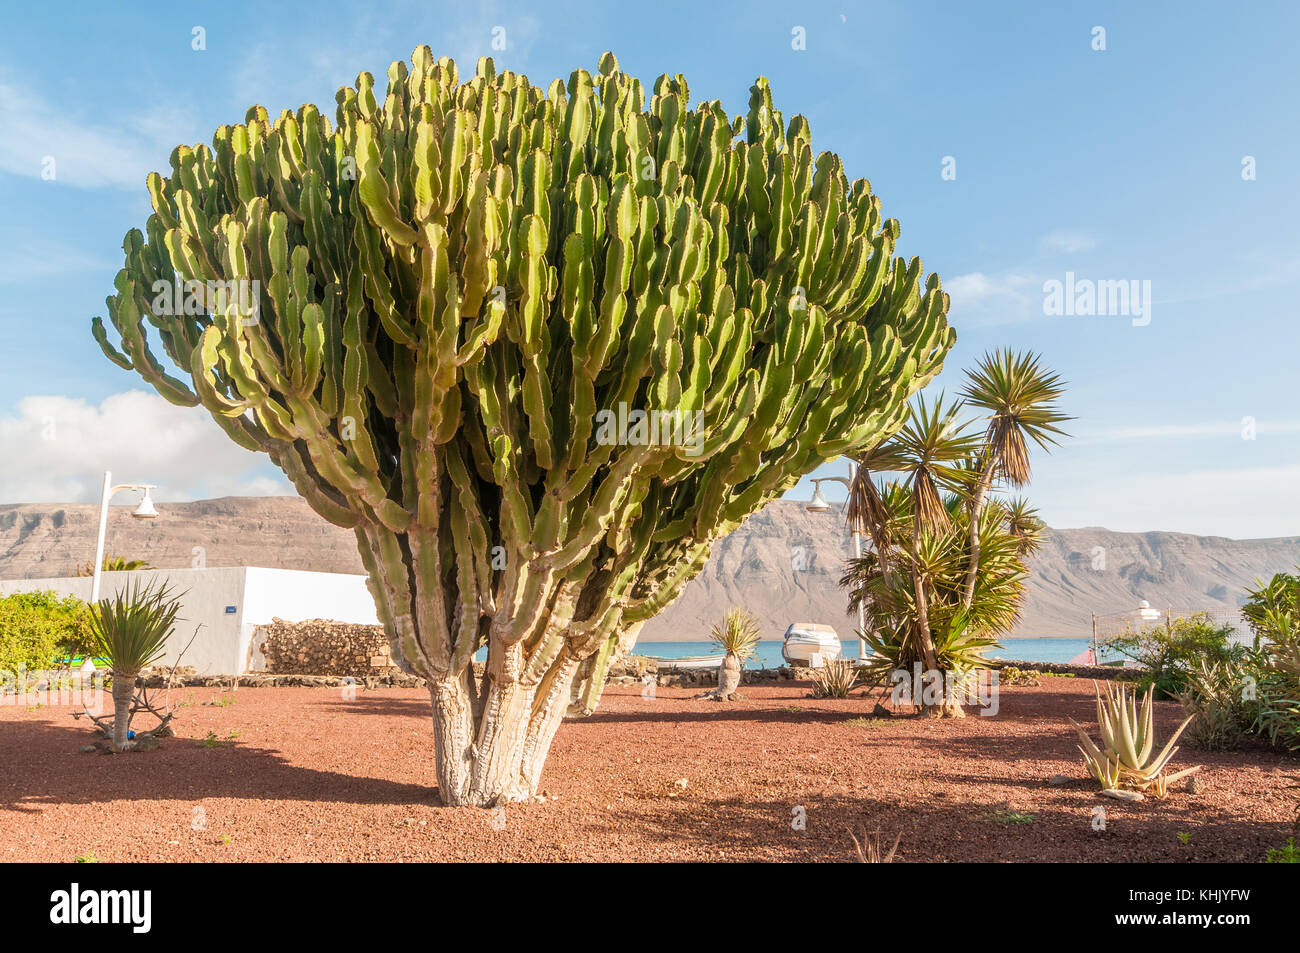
(1122, 164)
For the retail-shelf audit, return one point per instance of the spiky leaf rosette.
(454, 281)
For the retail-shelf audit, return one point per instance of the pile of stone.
(322, 647)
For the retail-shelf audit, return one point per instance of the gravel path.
(305, 774)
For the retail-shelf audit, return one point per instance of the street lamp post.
(818, 504)
(145, 511)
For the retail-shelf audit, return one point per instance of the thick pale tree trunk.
(501, 760)
(728, 677)
(946, 707)
(976, 510)
(923, 638)
(123, 695)
(543, 625)
(453, 735)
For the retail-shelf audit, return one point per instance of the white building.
(227, 605)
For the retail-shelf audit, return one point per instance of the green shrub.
(1010, 675)
(1289, 854)
(36, 628)
(1278, 691)
(1218, 697)
(1273, 608)
(1170, 653)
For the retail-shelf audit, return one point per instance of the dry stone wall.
(321, 647)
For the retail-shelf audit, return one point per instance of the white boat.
(812, 644)
(688, 663)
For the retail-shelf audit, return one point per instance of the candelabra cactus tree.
(458, 318)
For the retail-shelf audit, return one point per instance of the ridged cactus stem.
(458, 318)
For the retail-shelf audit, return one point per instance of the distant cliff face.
(782, 564)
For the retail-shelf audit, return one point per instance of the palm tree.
(927, 451)
(959, 636)
(130, 631)
(1020, 396)
(738, 636)
(113, 564)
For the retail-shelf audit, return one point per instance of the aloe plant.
(426, 311)
(1124, 758)
(130, 630)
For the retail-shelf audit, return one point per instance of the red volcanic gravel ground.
(304, 774)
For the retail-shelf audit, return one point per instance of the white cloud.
(1066, 242)
(57, 448)
(85, 154)
(995, 299)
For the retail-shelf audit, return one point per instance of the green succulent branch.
(420, 310)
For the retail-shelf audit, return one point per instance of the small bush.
(1289, 854)
(1010, 675)
(1272, 608)
(835, 679)
(1216, 698)
(36, 628)
(1277, 712)
(1169, 653)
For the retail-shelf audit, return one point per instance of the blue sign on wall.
(230, 610)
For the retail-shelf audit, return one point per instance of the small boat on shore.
(810, 643)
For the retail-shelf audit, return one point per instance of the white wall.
(295, 596)
(204, 596)
(229, 604)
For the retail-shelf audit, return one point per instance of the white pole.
(862, 613)
(857, 554)
(103, 529)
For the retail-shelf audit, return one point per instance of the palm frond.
(738, 634)
(1020, 395)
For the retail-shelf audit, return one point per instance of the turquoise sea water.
(769, 653)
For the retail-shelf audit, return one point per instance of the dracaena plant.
(130, 630)
(1019, 396)
(427, 310)
(737, 635)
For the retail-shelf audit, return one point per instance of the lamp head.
(146, 511)
(818, 503)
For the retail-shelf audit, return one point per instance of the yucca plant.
(940, 542)
(738, 636)
(959, 652)
(1124, 758)
(130, 630)
(835, 679)
(1020, 396)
